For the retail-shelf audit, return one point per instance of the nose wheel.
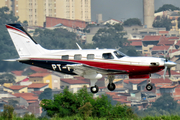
(94, 89)
(111, 86)
(149, 87)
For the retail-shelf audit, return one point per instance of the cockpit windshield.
(119, 54)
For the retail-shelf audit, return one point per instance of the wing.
(80, 69)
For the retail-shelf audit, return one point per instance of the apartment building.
(35, 11)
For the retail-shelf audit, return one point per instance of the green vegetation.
(167, 7)
(164, 105)
(132, 21)
(7, 78)
(83, 104)
(46, 94)
(113, 37)
(163, 22)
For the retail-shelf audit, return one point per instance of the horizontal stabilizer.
(16, 59)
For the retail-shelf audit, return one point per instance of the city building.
(52, 80)
(35, 11)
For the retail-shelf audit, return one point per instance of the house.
(53, 21)
(37, 87)
(112, 22)
(135, 84)
(51, 79)
(137, 44)
(164, 33)
(159, 50)
(121, 98)
(19, 75)
(148, 42)
(21, 101)
(33, 102)
(16, 89)
(73, 83)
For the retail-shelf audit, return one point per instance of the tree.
(6, 45)
(46, 94)
(69, 104)
(113, 37)
(25, 24)
(7, 78)
(167, 7)
(110, 37)
(166, 103)
(132, 21)
(163, 22)
(55, 39)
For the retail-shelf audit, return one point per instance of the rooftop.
(38, 69)
(160, 48)
(39, 74)
(38, 85)
(18, 73)
(72, 81)
(134, 81)
(160, 80)
(17, 87)
(136, 43)
(151, 38)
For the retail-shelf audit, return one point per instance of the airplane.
(88, 63)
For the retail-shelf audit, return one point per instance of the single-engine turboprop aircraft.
(90, 63)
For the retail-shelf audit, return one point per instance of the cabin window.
(119, 54)
(90, 56)
(108, 56)
(65, 57)
(77, 57)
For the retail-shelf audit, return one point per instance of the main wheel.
(149, 87)
(111, 86)
(94, 89)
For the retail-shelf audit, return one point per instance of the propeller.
(167, 63)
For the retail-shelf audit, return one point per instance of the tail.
(24, 43)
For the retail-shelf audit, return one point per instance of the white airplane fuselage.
(89, 63)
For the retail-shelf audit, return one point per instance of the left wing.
(80, 69)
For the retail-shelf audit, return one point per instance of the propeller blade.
(165, 70)
(169, 72)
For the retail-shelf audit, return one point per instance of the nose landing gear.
(94, 89)
(149, 86)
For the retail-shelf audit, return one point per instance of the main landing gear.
(111, 86)
(149, 86)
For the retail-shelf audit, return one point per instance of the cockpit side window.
(119, 54)
(108, 56)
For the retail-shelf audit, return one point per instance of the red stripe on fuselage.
(10, 27)
(131, 69)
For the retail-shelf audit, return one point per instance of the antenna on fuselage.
(78, 46)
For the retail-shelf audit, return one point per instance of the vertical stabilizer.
(24, 43)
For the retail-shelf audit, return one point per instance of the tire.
(111, 86)
(96, 89)
(149, 87)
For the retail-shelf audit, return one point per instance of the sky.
(124, 9)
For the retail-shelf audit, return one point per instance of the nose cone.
(169, 64)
